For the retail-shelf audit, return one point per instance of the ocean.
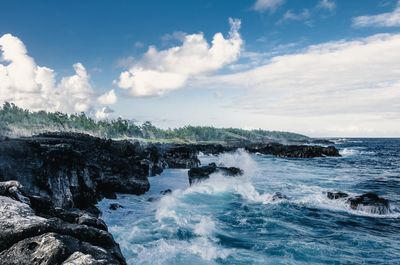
(237, 220)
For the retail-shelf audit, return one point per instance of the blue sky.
(254, 77)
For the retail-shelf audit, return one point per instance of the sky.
(317, 67)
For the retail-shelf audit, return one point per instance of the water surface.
(235, 221)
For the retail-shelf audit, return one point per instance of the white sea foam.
(317, 197)
(355, 151)
(205, 227)
(348, 152)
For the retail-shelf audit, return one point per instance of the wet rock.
(165, 192)
(336, 195)
(279, 196)
(31, 236)
(370, 203)
(115, 206)
(297, 151)
(74, 170)
(181, 156)
(78, 258)
(204, 172)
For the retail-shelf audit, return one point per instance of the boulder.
(165, 192)
(115, 206)
(370, 203)
(30, 236)
(204, 172)
(279, 196)
(336, 195)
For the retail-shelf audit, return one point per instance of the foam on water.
(317, 197)
(234, 220)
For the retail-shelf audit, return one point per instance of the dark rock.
(115, 206)
(336, 195)
(152, 199)
(74, 170)
(181, 156)
(370, 203)
(230, 171)
(165, 192)
(214, 149)
(81, 259)
(279, 196)
(298, 151)
(29, 238)
(204, 172)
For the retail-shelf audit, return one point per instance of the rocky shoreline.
(50, 184)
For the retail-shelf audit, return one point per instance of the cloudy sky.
(318, 67)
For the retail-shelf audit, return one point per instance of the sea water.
(235, 220)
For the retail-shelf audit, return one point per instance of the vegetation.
(24, 122)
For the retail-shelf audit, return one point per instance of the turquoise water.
(235, 220)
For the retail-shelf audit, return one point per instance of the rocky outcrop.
(298, 151)
(74, 170)
(47, 235)
(180, 156)
(52, 183)
(368, 202)
(204, 172)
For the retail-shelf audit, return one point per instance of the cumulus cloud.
(108, 98)
(349, 83)
(327, 5)
(389, 19)
(103, 113)
(31, 86)
(267, 5)
(160, 71)
(291, 16)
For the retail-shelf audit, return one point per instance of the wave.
(317, 198)
(348, 152)
(355, 151)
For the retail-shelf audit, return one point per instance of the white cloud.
(160, 71)
(327, 4)
(103, 113)
(267, 5)
(108, 98)
(31, 86)
(352, 84)
(389, 19)
(291, 16)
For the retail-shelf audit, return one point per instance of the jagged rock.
(370, 203)
(181, 156)
(115, 206)
(336, 195)
(204, 172)
(215, 149)
(26, 237)
(78, 258)
(74, 170)
(299, 151)
(279, 196)
(165, 192)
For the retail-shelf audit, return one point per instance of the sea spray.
(231, 220)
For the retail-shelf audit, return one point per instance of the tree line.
(14, 118)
